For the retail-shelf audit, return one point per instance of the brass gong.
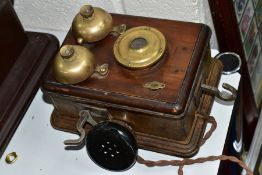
(73, 64)
(91, 24)
(139, 47)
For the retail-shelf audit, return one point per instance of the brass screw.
(103, 69)
(80, 40)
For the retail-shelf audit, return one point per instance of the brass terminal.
(11, 158)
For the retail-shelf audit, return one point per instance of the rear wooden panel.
(12, 37)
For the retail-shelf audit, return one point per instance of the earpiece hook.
(84, 117)
(222, 95)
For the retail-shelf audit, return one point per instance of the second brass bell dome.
(73, 64)
(91, 24)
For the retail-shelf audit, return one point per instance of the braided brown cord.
(183, 162)
(180, 170)
(213, 123)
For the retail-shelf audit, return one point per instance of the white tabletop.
(40, 148)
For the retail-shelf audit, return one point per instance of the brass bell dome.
(73, 64)
(91, 24)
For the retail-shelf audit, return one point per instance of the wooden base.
(186, 147)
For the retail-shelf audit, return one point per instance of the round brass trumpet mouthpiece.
(139, 47)
(73, 64)
(91, 24)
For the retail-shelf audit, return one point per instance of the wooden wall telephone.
(149, 84)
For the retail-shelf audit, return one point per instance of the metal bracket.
(101, 71)
(84, 117)
(119, 29)
(221, 95)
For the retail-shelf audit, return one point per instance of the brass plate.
(139, 47)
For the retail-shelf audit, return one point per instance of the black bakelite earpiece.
(111, 146)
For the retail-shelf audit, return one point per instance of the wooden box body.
(164, 120)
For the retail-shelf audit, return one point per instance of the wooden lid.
(186, 44)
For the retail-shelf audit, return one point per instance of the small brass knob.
(73, 64)
(67, 51)
(87, 11)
